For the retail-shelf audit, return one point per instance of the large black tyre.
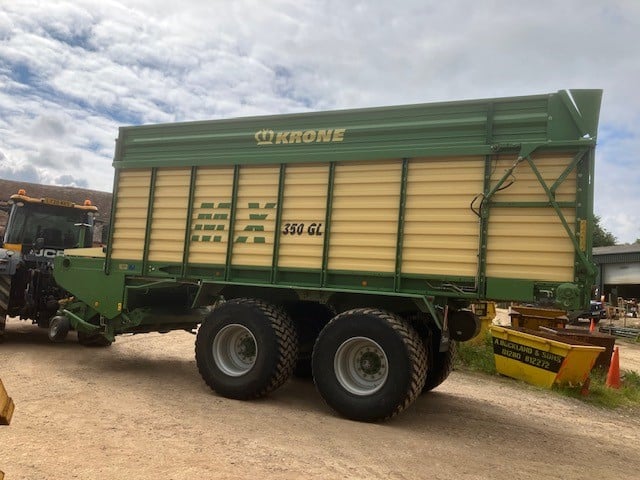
(5, 292)
(368, 364)
(440, 364)
(58, 329)
(93, 340)
(309, 319)
(246, 348)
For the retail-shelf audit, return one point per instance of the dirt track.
(139, 410)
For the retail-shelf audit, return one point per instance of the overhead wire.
(478, 211)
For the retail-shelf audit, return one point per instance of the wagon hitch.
(78, 323)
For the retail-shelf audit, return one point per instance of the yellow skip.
(542, 359)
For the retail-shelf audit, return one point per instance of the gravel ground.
(139, 410)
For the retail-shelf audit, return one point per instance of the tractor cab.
(45, 226)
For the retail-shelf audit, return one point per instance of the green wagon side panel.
(449, 128)
(85, 278)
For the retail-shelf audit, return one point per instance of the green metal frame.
(232, 221)
(187, 233)
(147, 229)
(327, 223)
(116, 177)
(586, 264)
(277, 232)
(585, 269)
(401, 212)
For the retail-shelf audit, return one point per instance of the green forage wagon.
(345, 244)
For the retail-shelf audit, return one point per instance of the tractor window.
(57, 225)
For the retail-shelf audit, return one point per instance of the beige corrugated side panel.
(364, 216)
(527, 188)
(130, 216)
(211, 216)
(441, 233)
(168, 220)
(253, 235)
(305, 206)
(532, 243)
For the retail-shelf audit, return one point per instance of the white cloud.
(71, 72)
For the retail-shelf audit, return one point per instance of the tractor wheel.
(246, 348)
(309, 319)
(5, 292)
(93, 340)
(368, 364)
(58, 329)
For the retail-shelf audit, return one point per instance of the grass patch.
(478, 357)
(628, 395)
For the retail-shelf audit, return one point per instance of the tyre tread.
(443, 367)
(415, 349)
(5, 292)
(287, 346)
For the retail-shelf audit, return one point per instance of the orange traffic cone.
(613, 376)
(592, 326)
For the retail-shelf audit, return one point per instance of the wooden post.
(6, 411)
(6, 407)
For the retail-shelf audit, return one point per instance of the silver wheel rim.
(361, 366)
(54, 328)
(235, 350)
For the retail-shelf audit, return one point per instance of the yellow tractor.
(37, 231)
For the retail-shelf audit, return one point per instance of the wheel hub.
(361, 366)
(245, 347)
(235, 350)
(370, 364)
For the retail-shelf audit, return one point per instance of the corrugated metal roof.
(616, 254)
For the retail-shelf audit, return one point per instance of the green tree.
(601, 236)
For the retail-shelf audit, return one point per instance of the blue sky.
(72, 72)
